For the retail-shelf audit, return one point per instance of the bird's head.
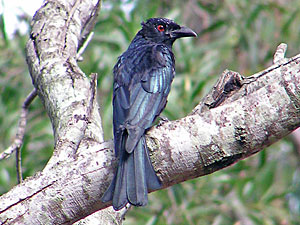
(162, 30)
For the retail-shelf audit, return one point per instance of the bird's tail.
(134, 177)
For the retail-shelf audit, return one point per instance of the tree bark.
(239, 117)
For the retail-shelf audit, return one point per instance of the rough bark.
(238, 118)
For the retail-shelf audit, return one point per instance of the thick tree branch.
(238, 118)
(250, 116)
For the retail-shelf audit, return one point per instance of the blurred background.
(239, 35)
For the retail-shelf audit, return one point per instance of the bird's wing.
(142, 83)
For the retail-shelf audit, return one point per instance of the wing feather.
(140, 92)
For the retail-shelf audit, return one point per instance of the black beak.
(183, 32)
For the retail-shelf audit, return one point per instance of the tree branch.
(18, 141)
(259, 111)
(238, 118)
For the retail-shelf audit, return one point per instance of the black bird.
(142, 82)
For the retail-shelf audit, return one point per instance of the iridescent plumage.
(142, 82)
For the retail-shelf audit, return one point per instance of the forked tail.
(134, 177)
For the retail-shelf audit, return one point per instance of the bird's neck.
(139, 40)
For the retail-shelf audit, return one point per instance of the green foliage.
(238, 35)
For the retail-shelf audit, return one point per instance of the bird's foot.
(163, 120)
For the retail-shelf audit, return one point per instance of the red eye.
(160, 28)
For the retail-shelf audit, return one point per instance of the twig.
(19, 165)
(83, 47)
(296, 140)
(17, 143)
(280, 53)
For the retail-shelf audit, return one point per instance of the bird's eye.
(160, 28)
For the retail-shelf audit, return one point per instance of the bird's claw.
(163, 120)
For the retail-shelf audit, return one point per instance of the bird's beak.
(183, 32)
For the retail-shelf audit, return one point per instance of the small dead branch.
(18, 141)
